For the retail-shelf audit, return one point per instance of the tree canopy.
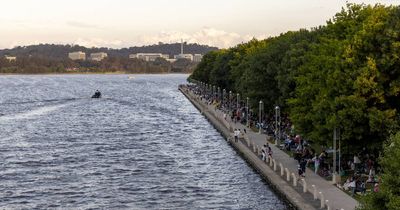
(344, 74)
(388, 195)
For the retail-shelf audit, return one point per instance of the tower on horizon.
(181, 46)
(183, 56)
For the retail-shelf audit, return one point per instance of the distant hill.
(50, 58)
(52, 51)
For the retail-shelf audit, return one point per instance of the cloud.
(208, 36)
(79, 24)
(99, 42)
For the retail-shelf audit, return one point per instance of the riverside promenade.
(280, 171)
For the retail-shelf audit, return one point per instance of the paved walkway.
(337, 199)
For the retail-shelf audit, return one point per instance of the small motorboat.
(96, 94)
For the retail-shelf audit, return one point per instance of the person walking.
(236, 134)
(316, 163)
(302, 168)
(264, 152)
(269, 151)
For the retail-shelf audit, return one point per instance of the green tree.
(388, 196)
(345, 74)
(203, 69)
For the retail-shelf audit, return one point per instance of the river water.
(142, 146)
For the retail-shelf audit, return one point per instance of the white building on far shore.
(184, 56)
(197, 58)
(98, 56)
(77, 55)
(149, 56)
(171, 60)
(10, 58)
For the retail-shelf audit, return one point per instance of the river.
(142, 146)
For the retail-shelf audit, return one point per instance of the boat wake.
(42, 101)
(32, 113)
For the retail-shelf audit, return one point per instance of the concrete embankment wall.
(280, 186)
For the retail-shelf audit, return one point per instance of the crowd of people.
(360, 169)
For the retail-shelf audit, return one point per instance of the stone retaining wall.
(267, 171)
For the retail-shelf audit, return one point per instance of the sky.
(125, 23)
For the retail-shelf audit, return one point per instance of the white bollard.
(304, 183)
(314, 191)
(273, 160)
(287, 174)
(282, 171)
(321, 196)
(294, 180)
(327, 205)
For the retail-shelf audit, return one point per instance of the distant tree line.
(52, 51)
(50, 58)
(40, 65)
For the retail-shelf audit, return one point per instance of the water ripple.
(142, 146)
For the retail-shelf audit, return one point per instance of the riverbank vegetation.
(345, 74)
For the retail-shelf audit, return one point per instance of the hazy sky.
(123, 23)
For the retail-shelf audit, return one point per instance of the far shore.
(92, 73)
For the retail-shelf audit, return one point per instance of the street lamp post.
(336, 178)
(237, 107)
(223, 99)
(214, 92)
(339, 155)
(260, 116)
(219, 93)
(247, 112)
(334, 175)
(211, 91)
(229, 102)
(237, 101)
(277, 125)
